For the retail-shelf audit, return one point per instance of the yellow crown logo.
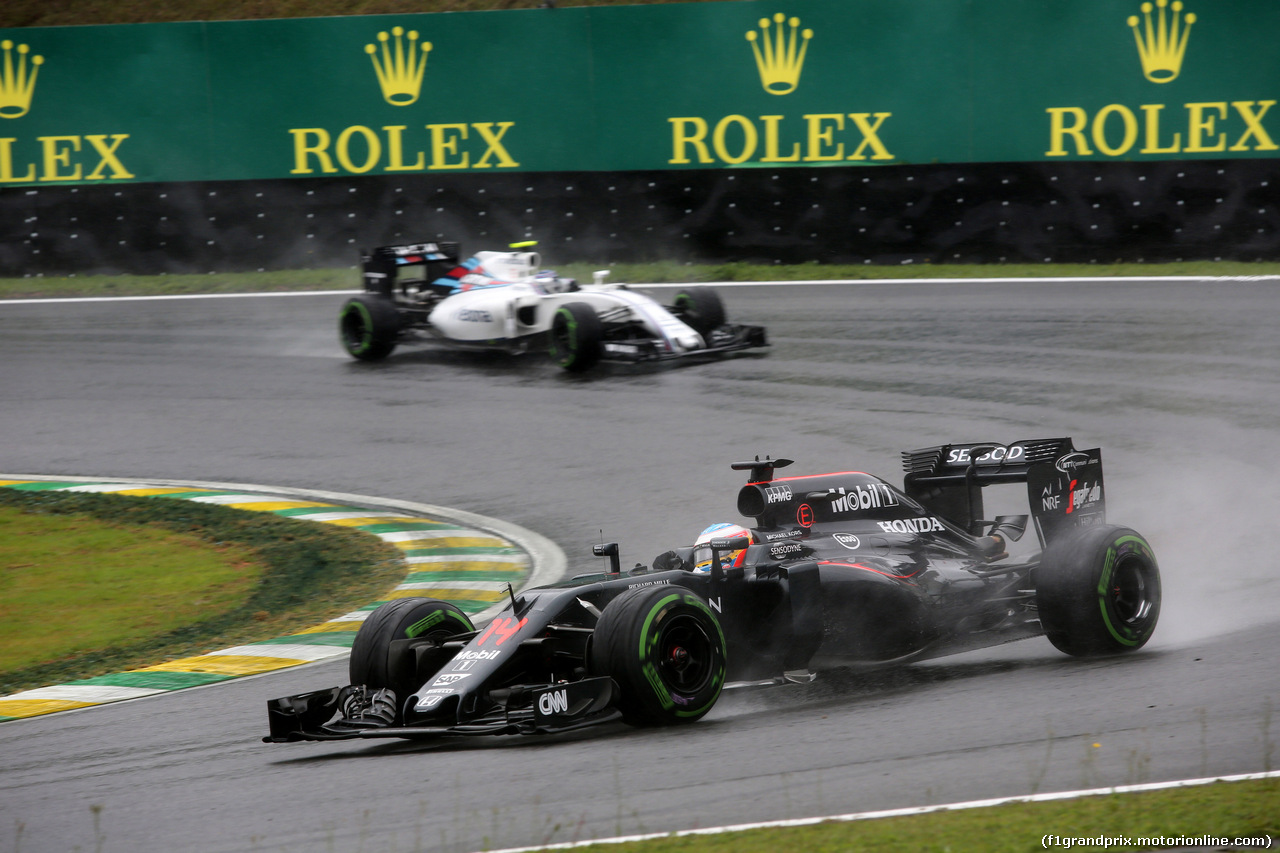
(17, 82)
(779, 58)
(1162, 44)
(400, 69)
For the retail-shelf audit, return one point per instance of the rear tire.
(700, 308)
(369, 326)
(1098, 591)
(376, 663)
(577, 337)
(665, 649)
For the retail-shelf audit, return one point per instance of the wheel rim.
(1130, 591)
(686, 657)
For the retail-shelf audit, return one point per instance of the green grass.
(1224, 810)
(178, 285)
(47, 13)
(74, 584)
(640, 273)
(94, 583)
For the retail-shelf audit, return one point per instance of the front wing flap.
(727, 338)
(347, 713)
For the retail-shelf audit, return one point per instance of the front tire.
(665, 649)
(1098, 591)
(369, 326)
(577, 337)
(378, 661)
(700, 308)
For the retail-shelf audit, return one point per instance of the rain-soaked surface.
(1178, 383)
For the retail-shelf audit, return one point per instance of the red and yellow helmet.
(728, 559)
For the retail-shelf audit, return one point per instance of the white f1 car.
(504, 301)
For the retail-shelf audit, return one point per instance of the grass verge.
(54, 287)
(100, 583)
(659, 272)
(48, 13)
(1227, 810)
(292, 574)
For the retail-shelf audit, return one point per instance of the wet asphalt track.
(1179, 383)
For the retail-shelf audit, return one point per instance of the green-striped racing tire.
(577, 337)
(1098, 591)
(369, 326)
(700, 308)
(378, 660)
(664, 647)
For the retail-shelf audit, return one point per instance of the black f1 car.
(839, 570)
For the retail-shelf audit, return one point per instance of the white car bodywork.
(506, 298)
(505, 301)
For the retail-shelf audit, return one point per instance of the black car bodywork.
(845, 570)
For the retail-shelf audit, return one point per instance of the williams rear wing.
(1064, 485)
(381, 267)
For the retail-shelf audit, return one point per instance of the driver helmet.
(548, 282)
(728, 559)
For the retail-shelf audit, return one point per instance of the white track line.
(905, 812)
(1089, 279)
(1085, 279)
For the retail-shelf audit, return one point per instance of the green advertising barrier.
(723, 85)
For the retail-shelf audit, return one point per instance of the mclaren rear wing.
(1064, 485)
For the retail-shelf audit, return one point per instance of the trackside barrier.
(751, 129)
